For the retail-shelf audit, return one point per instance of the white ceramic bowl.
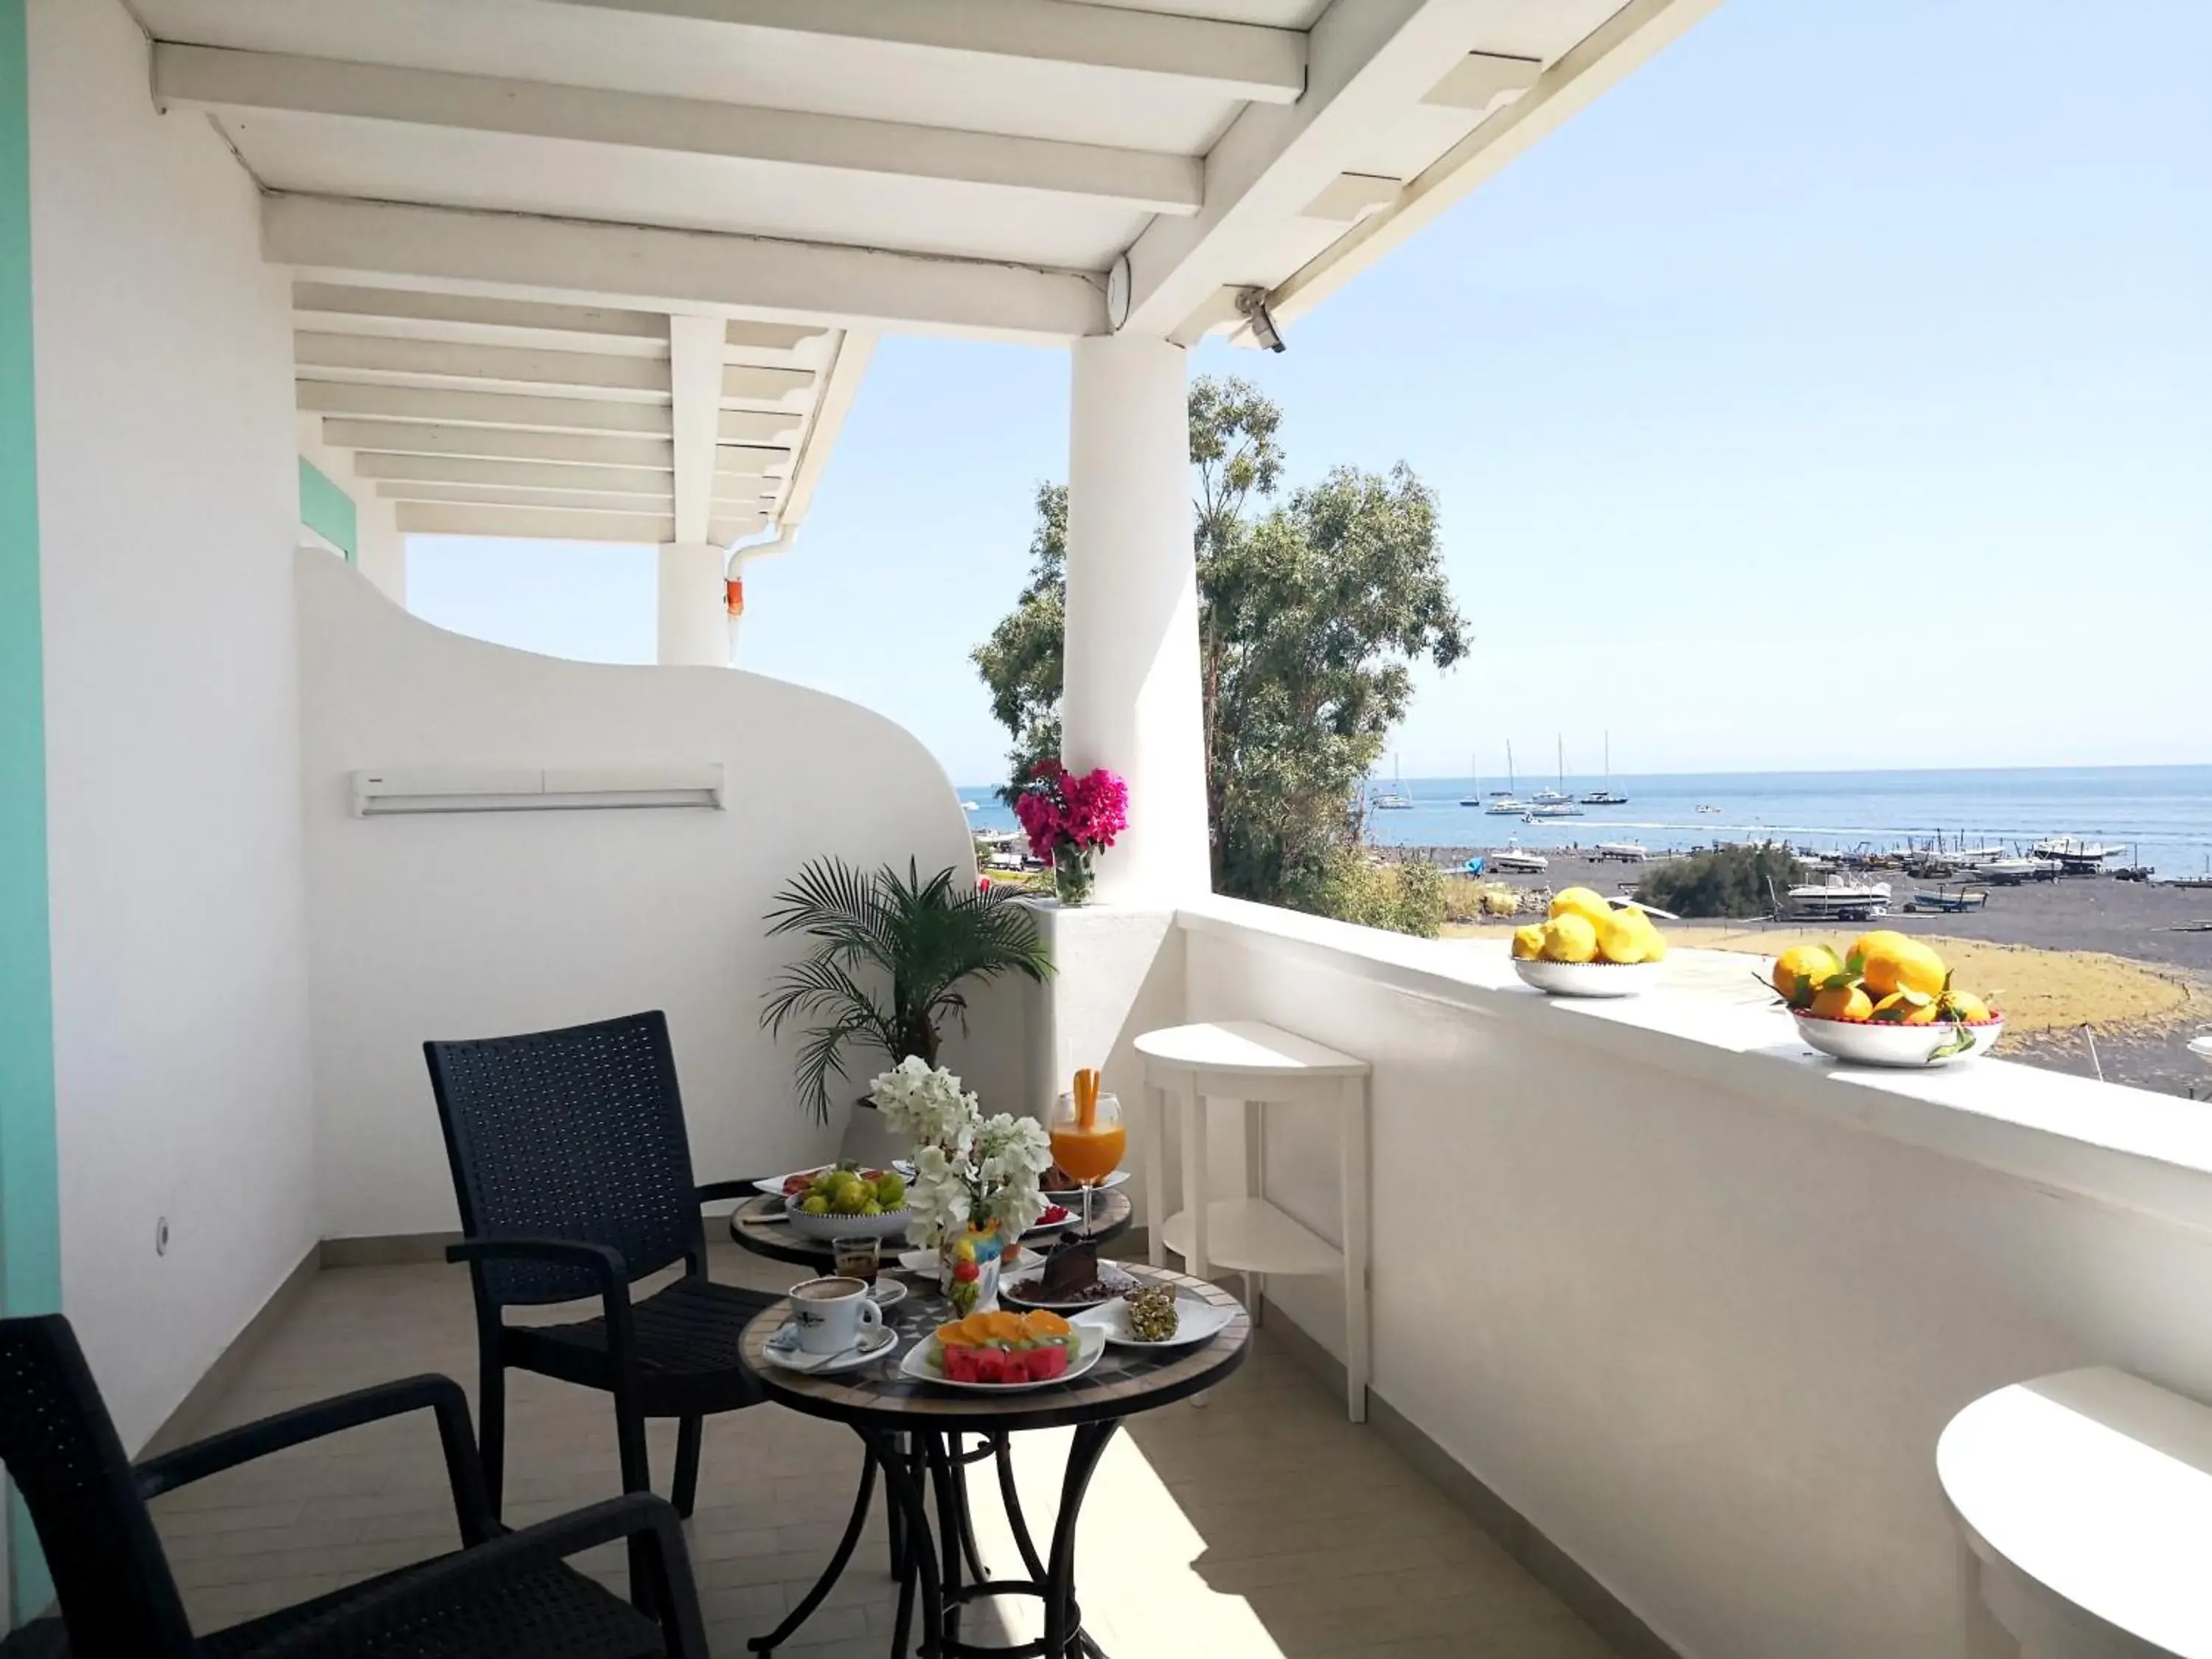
(1589, 979)
(892, 1224)
(1871, 1043)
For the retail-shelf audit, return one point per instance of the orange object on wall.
(736, 587)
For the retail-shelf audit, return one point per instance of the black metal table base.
(933, 1563)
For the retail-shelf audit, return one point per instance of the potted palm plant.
(893, 959)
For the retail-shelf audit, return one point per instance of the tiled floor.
(1259, 1525)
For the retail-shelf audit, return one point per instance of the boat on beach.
(2076, 856)
(1514, 860)
(1623, 852)
(1839, 898)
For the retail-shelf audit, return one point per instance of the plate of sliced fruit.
(998, 1351)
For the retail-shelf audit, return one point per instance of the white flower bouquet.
(970, 1172)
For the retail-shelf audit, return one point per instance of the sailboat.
(1605, 797)
(1501, 802)
(1549, 803)
(1397, 800)
(1473, 796)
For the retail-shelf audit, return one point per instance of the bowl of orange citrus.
(1889, 1000)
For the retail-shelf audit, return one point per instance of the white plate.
(874, 1345)
(1871, 1043)
(1197, 1320)
(923, 1262)
(1589, 979)
(1072, 1196)
(1090, 1342)
(1046, 1229)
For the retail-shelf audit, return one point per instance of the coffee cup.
(831, 1313)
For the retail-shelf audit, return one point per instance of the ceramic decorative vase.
(1072, 878)
(968, 1269)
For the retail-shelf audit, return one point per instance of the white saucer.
(887, 1293)
(923, 1262)
(874, 1345)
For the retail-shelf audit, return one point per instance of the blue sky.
(1837, 391)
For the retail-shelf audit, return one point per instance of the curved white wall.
(478, 924)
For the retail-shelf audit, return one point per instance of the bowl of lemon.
(1589, 947)
(1889, 1000)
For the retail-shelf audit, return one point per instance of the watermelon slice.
(1045, 1362)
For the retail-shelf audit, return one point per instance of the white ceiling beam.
(743, 382)
(336, 308)
(836, 401)
(1482, 81)
(495, 443)
(569, 260)
(400, 403)
(746, 461)
(723, 531)
(695, 357)
(1244, 60)
(1367, 63)
(408, 489)
(518, 475)
(534, 522)
(1608, 54)
(1351, 197)
(227, 82)
(444, 362)
(752, 426)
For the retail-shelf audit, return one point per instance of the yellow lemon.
(1657, 949)
(1844, 1002)
(1906, 1008)
(1584, 902)
(1621, 938)
(1802, 969)
(1569, 939)
(1891, 963)
(1965, 1005)
(1528, 942)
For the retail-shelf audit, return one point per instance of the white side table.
(2086, 1497)
(1252, 1064)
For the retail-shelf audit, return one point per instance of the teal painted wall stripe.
(30, 1219)
(328, 511)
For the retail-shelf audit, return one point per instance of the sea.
(2161, 814)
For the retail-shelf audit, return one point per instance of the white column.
(1130, 699)
(693, 606)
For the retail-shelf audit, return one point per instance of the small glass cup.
(856, 1256)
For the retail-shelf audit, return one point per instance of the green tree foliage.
(1311, 614)
(1406, 898)
(1724, 881)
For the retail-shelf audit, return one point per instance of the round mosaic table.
(758, 1225)
(912, 1431)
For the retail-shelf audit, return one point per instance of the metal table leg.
(902, 1486)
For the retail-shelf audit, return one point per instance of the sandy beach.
(2130, 961)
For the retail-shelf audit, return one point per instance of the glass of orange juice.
(1088, 1144)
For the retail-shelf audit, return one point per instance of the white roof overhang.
(611, 269)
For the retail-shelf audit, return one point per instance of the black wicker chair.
(572, 1168)
(502, 1594)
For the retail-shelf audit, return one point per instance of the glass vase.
(1072, 877)
(968, 1269)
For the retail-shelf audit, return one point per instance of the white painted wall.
(1699, 1307)
(168, 502)
(475, 925)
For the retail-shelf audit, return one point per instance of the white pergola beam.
(220, 80)
(843, 386)
(1245, 61)
(402, 489)
(569, 261)
(744, 461)
(1600, 60)
(444, 361)
(516, 475)
(1367, 64)
(534, 522)
(1481, 81)
(492, 443)
(747, 383)
(694, 356)
(401, 403)
(337, 308)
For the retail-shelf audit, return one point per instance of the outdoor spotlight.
(1253, 302)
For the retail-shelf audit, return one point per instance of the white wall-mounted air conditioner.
(389, 791)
